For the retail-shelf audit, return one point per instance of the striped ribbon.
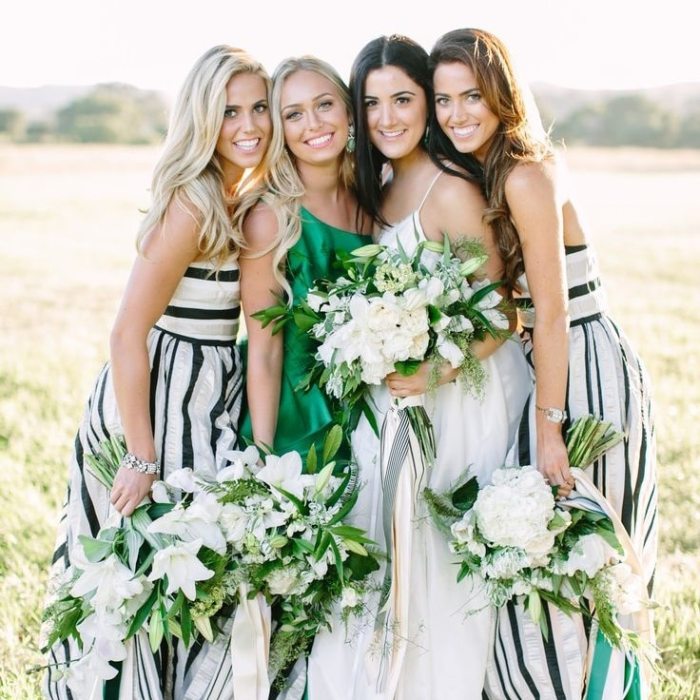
(404, 463)
(602, 658)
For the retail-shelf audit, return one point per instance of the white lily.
(159, 492)
(284, 472)
(198, 521)
(110, 579)
(182, 479)
(450, 351)
(180, 564)
(241, 463)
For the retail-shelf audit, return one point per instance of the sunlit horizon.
(594, 45)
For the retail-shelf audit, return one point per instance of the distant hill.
(40, 103)
(559, 102)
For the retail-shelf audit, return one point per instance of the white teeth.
(248, 144)
(463, 131)
(320, 140)
(391, 134)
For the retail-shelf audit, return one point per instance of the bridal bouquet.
(523, 543)
(178, 568)
(390, 311)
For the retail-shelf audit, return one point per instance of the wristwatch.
(553, 415)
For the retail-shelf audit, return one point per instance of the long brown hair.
(517, 140)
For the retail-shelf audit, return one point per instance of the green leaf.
(324, 542)
(155, 631)
(311, 460)
(369, 415)
(134, 540)
(534, 606)
(340, 490)
(407, 368)
(142, 613)
(305, 321)
(332, 443)
(464, 496)
(95, 550)
(186, 625)
(338, 558)
(360, 567)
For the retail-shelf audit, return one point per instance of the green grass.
(68, 217)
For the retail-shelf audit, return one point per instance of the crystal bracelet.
(130, 461)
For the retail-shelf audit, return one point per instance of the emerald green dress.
(305, 416)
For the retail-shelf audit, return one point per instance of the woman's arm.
(168, 250)
(455, 207)
(531, 192)
(260, 289)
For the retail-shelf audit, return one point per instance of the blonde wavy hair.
(280, 187)
(519, 139)
(188, 171)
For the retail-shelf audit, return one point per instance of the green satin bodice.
(305, 416)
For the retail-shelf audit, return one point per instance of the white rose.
(282, 581)
(590, 554)
(233, 521)
(626, 589)
(350, 598)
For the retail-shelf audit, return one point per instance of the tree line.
(116, 113)
(109, 113)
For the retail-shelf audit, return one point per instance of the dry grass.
(68, 217)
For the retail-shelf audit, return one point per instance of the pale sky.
(153, 43)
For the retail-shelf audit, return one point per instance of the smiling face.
(246, 129)
(396, 110)
(314, 118)
(462, 111)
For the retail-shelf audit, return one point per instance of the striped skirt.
(196, 390)
(607, 380)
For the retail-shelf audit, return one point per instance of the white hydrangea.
(515, 510)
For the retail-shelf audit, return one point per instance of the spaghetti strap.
(427, 192)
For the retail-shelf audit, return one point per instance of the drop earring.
(350, 144)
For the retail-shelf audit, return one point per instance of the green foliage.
(113, 113)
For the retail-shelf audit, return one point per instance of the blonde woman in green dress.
(294, 224)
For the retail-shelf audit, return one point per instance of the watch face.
(555, 415)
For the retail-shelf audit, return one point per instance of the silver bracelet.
(130, 461)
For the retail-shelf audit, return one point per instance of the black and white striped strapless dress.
(196, 390)
(608, 380)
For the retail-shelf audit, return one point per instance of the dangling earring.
(426, 136)
(350, 145)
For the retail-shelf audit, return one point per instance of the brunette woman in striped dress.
(174, 384)
(582, 363)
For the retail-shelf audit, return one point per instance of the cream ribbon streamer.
(403, 468)
(640, 621)
(250, 647)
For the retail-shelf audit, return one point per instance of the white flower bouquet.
(524, 543)
(390, 311)
(178, 569)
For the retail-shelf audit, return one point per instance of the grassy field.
(68, 218)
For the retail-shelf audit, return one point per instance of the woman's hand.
(416, 384)
(553, 463)
(129, 489)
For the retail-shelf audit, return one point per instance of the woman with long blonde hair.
(294, 223)
(581, 361)
(173, 386)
